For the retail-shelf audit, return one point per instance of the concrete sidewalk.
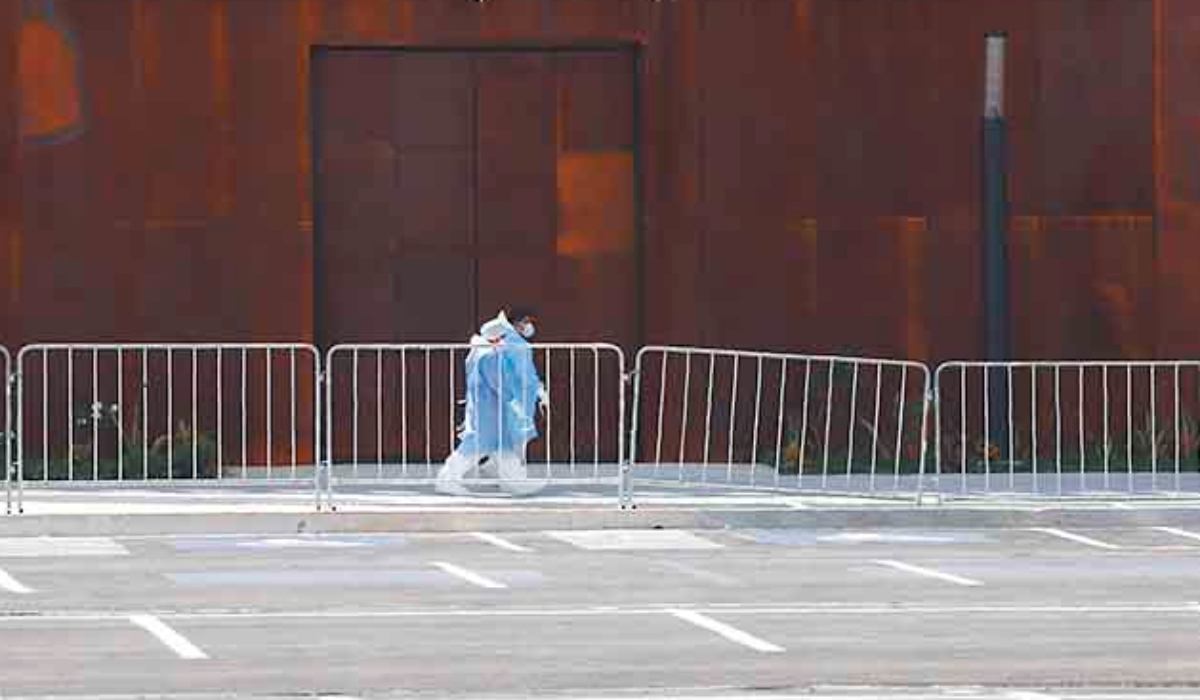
(415, 508)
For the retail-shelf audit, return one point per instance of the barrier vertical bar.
(757, 414)
(120, 415)
(733, 401)
(964, 446)
(294, 400)
(853, 421)
(1082, 431)
(1033, 426)
(354, 401)
(145, 414)
(379, 412)
(1129, 426)
(45, 414)
(1178, 429)
(596, 413)
(96, 414)
(19, 401)
(70, 417)
(782, 413)
(1011, 428)
(1058, 428)
(625, 479)
(875, 426)
(322, 470)
(708, 403)
(828, 425)
(404, 411)
(549, 408)
(245, 419)
(1153, 430)
(900, 428)
(987, 432)
(574, 415)
(269, 446)
(803, 425)
(7, 376)
(428, 414)
(687, 385)
(662, 398)
(221, 413)
(195, 428)
(1107, 445)
(170, 414)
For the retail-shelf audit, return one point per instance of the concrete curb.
(516, 520)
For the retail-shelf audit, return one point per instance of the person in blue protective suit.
(503, 394)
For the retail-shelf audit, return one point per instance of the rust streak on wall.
(221, 202)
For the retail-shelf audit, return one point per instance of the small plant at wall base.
(1144, 450)
(875, 445)
(110, 452)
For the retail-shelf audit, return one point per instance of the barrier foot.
(930, 496)
(625, 490)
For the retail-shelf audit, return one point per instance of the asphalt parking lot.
(664, 613)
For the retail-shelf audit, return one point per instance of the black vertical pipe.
(995, 232)
(995, 248)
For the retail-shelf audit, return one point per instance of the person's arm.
(490, 368)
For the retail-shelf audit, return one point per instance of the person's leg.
(488, 468)
(449, 478)
(514, 478)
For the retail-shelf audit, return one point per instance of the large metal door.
(452, 182)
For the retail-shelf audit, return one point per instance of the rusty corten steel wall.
(808, 168)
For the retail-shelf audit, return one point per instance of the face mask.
(527, 329)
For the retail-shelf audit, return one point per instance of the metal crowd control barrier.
(756, 419)
(203, 414)
(1068, 428)
(393, 413)
(6, 438)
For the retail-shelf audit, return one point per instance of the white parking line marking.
(1179, 532)
(172, 639)
(1063, 534)
(1029, 695)
(633, 539)
(500, 542)
(731, 633)
(60, 547)
(922, 571)
(10, 584)
(468, 576)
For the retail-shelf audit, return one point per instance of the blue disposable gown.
(502, 396)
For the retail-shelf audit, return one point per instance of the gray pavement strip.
(822, 693)
(298, 541)
(796, 536)
(341, 578)
(731, 609)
